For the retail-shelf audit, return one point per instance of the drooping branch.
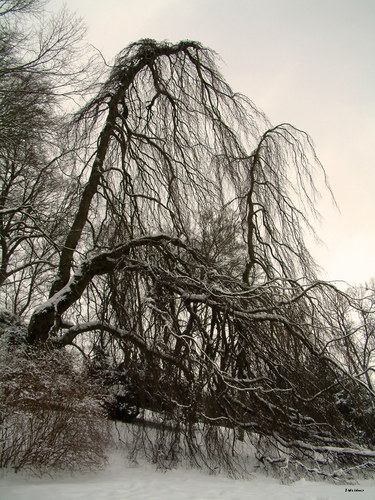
(45, 316)
(122, 335)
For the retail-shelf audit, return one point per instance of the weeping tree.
(166, 139)
(184, 257)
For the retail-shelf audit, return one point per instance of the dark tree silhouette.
(173, 173)
(174, 141)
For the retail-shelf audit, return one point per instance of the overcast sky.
(307, 62)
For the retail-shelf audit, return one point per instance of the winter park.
(187, 290)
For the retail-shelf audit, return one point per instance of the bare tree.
(38, 69)
(173, 130)
(18, 6)
(244, 342)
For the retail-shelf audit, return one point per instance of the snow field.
(120, 480)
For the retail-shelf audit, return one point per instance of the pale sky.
(307, 62)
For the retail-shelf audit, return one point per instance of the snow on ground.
(122, 481)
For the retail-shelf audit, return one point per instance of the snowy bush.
(50, 417)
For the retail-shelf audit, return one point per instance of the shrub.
(50, 416)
